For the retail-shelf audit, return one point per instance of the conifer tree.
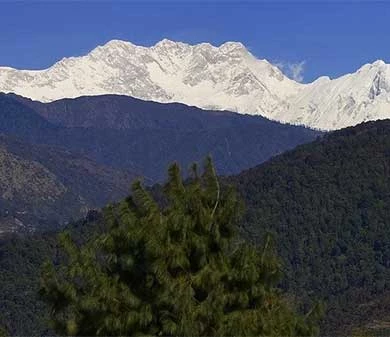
(3, 332)
(171, 268)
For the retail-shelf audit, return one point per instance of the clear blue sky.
(332, 37)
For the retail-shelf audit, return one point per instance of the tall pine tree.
(172, 268)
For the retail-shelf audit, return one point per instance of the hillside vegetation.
(42, 187)
(172, 270)
(327, 204)
(146, 137)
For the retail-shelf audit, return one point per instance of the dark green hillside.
(21, 310)
(173, 270)
(328, 205)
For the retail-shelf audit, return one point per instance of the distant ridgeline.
(326, 204)
(225, 77)
(85, 152)
(146, 137)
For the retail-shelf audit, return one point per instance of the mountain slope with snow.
(344, 101)
(227, 77)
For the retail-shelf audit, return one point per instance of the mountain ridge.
(43, 187)
(227, 77)
(325, 203)
(145, 137)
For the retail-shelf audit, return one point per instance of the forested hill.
(328, 205)
(43, 187)
(145, 137)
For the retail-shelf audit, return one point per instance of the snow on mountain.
(227, 77)
(344, 101)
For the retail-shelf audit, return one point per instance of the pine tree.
(3, 332)
(172, 268)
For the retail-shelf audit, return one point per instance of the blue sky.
(325, 37)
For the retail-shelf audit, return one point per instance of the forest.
(325, 205)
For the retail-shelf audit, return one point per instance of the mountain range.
(61, 159)
(227, 77)
(74, 137)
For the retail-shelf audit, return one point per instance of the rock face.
(227, 77)
(42, 187)
(24, 184)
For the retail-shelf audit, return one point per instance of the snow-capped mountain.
(345, 101)
(227, 77)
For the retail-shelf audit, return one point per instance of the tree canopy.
(171, 267)
(3, 333)
(327, 206)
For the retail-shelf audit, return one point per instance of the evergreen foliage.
(3, 332)
(173, 268)
(22, 313)
(327, 205)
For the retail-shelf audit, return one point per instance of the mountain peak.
(118, 43)
(225, 47)
(114, 45)
(232, 45)
(379, 63)
(224, 77)
(166, 42)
